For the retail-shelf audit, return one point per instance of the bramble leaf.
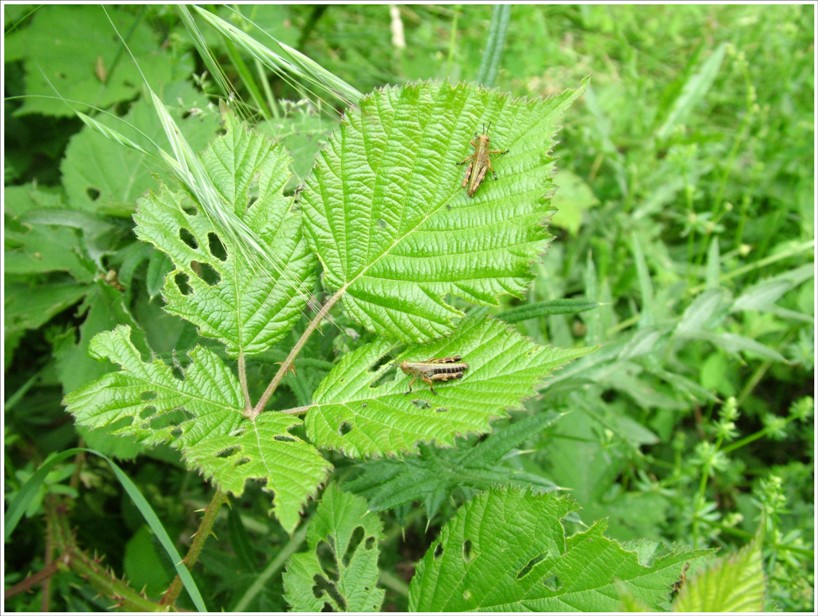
(386, 214)
(436, 473)
(362, 410)
(345, 576)
(200, 414)
(246, 306)
(734, 584)
(506, 550)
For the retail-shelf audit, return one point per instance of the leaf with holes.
(363, 408)
(248, 307)
(340, 570)
(395, 231)
(506, 550)
(198, 409)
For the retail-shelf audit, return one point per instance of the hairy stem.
(199, 538)
(288, 362)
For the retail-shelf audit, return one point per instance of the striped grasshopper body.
(479, 162)
(440, 369)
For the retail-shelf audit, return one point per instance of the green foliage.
(435, 474)
(213, 286)
(340, 570)
(508, 551)
(200, 413)
(357, 410)
(683, 256)
(395, 232)
(731, 585)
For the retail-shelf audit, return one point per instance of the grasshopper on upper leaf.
(436, 369)
(480, 162)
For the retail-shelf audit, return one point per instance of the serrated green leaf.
(507, 551)
(346, 577)
(359, 410)
(246, 307)
(394, 230)
(201, 415)
(434, 475)
(100, 174)
(734, 584)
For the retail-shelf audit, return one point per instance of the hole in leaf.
(164, 420)
(216, 247)
(380, 362)
(345, 428)
(182, 283)
(190, 209)
(176, 432)
(284, 438)
(206, 272)
(552, 582)
(439, 550)
(188, 238)
(147, 412)
(93, 193)
(468, 556)
(423, 404)
(148, 395)
(381, 223)
(354, 542)
(327, 608)
(228, 452)
(441, 409)
(370, 542)
(363, 405)
(529, 566)
(242, 462)
(186, 114)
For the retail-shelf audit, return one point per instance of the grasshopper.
(480, 162)
(435, 369)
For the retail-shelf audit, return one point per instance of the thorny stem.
(288, 362)
(297, 410)
(199, 538)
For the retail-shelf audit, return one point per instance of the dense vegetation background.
(686, 196)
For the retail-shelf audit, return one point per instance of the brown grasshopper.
(480, 162)
(435, 369)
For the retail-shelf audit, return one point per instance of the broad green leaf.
(29, 303)
(345, 576)
(246, 307)
(87, 61)
(394, 230)
(506, 550)
(200, 413)
(362, 409)
(101, 174)
(734, 584)
(434, 475)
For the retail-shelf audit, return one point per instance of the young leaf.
(345, 578)
(213, 286)
(394, 230)
(507, 551)
(434, 475)
(201, 415)
(359, 410)
(733, 585)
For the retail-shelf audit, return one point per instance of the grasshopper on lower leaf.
(440, 369)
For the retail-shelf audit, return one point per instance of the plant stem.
(288, 362)
(274, 567)
(199, 538)
(248, 405)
